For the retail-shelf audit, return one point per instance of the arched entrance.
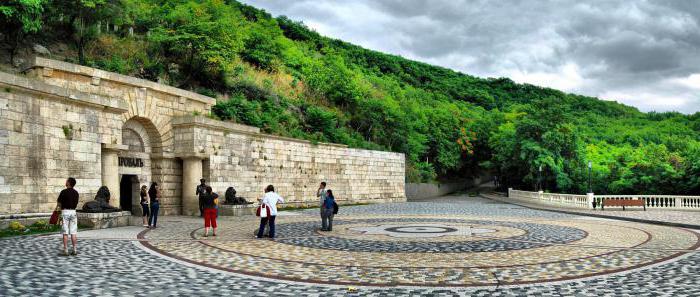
(129, 193)
(134, 163)
(141, 139)
(128, 166)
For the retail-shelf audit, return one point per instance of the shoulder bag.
(54, 217)
(263, 211)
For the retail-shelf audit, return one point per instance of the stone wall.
(47, 135)
(417, 191)
(62, 120)
(241, 157)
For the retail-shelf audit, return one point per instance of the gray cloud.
(642, 53)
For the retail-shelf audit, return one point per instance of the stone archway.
(141, 139)
(140, 133)
(132, 159)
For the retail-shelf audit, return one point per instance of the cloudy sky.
(642, 53)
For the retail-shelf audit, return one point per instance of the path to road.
(450, 246)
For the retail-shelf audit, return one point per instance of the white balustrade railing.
(550, 198)
(660, 201)
(586, 201)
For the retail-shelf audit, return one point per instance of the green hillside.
(276, 74)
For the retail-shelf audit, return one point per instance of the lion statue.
(101, 202)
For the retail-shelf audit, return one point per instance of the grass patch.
(39, 227)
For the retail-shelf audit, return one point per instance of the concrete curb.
(571, 212)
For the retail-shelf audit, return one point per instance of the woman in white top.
(270, 199)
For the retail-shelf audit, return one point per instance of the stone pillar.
(110, 171)
(191, 173)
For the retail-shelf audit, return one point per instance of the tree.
(19, 18)
(264, 44)
(202, 37)
(261, 50)
(80, 19)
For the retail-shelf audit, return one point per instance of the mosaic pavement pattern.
(527, 252)
(479, 249)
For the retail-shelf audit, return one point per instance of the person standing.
(327, 211)
(209, 206)
(321, 194)
(144, 205)
(201, 191)
(216, 203)
(154, 195)
(270, 199)
(68, 202)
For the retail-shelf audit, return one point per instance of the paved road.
(371, 250)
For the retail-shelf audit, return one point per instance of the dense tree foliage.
(19, 18)
(277, 74)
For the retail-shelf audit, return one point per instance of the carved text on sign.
(130, 162)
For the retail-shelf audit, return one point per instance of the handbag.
(263, 211)
(54, 217)
(335, 208)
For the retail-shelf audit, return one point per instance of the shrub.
(41, 225)
(16, 226)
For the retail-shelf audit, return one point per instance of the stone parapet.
(98, 75)
(237, 210)
(72, 96)
(104, 220)
(201, 121)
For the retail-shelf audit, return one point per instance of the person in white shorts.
(67, 202)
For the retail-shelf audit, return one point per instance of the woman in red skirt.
(209, 206)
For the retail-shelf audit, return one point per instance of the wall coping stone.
(25, 215)
(201, 121)
(39, 62)
(114, 147)
(110, 104)
(193, 155)
(251, 205)
(162, 155)
(103, 215)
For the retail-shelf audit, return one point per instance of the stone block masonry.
(241, 157)
(62, 120)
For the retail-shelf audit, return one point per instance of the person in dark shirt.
(144, 205)
(209, 206)
(200, 192)
(68, 202)
(154, 195)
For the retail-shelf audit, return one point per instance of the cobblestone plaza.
(447, 247)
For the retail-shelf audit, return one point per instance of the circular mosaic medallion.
(534, 235)
(422, 230)
(426, 251)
